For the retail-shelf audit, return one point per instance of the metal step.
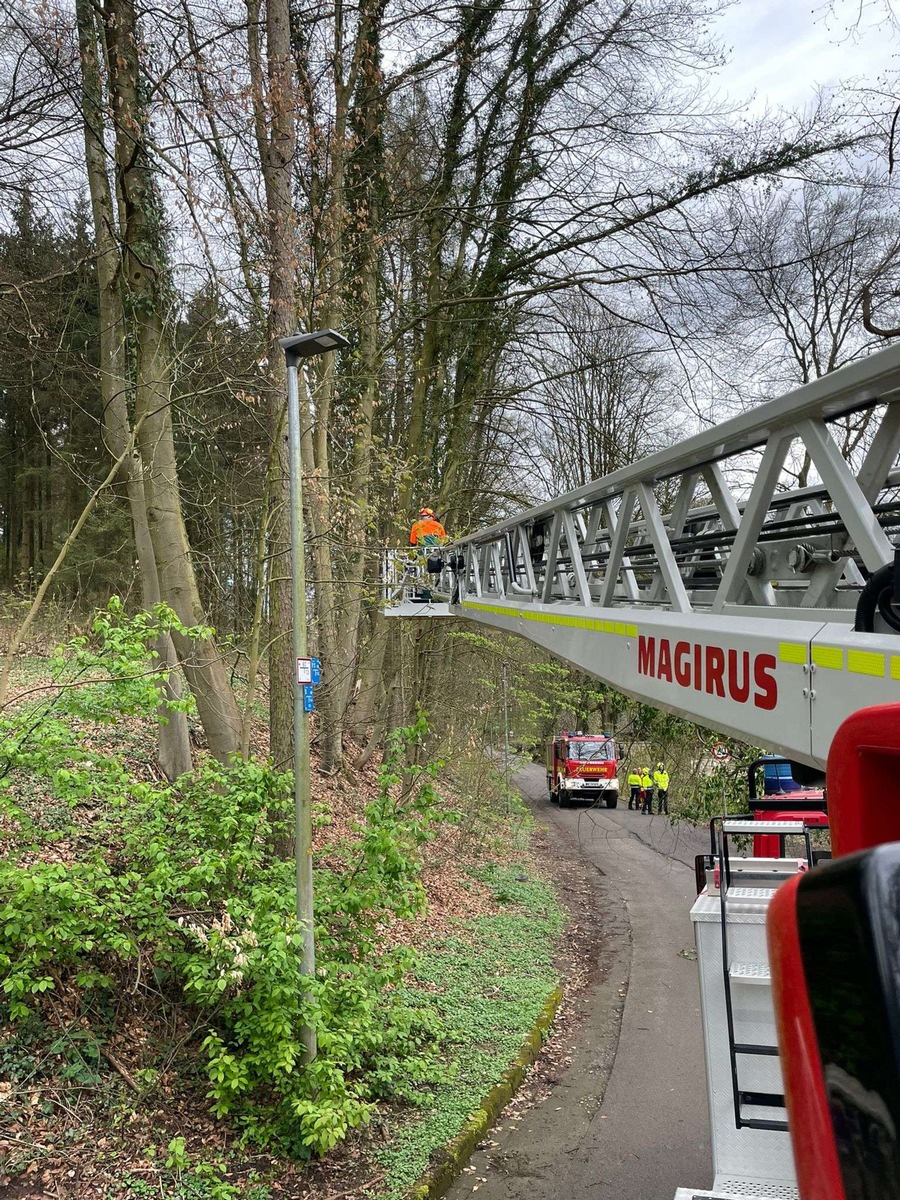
(751, 972)
(752, 827)
(750, 893)
(755, 1048)
(744, 1189)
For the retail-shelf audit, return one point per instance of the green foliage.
(488, 980)
(722, 787)
(198, 1181)
(176, 1155)
(543, 694)
(182, 879)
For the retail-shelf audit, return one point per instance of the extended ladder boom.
(733, 610)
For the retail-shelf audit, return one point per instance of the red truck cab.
(583, 766)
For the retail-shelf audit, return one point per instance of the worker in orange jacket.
(426, 535)
(427, 531)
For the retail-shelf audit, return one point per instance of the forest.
(554, 245)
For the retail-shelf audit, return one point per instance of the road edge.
(448, 1161)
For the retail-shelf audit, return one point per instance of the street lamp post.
(506, 735)
(302, 345)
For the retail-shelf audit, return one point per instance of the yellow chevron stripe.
(792, 652)
(865, 662)
(831, 657)
(566, 620)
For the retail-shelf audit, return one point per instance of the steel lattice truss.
(611, 544)
(663, 559)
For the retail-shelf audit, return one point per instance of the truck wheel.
(554, 799)
(613, 800)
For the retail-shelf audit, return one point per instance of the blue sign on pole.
(316, 670)
(309, 700)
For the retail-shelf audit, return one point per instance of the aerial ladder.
(704, 581)
(766, 611)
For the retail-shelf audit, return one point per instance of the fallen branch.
(117, 1066)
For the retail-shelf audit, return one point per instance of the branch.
(19, 635)
(868, 323)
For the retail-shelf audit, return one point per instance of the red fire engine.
(583, 766)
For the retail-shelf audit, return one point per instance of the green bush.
(180, 881)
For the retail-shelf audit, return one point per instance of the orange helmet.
(426, 512)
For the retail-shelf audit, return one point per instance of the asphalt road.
(627, 1119)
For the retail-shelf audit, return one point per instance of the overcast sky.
(781, 50)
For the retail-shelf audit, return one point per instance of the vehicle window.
(778, 779)
(592, 751)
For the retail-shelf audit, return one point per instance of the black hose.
(875, 598)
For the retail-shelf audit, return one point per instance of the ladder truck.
(704, 581)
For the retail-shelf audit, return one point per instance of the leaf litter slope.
(89, 1117)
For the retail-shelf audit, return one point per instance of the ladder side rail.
(512, 574)
(724, 871)
(675, 521)
(704, 555)
(740, 1098)
(565, 586)
(865, 384)
(731, 513)
(550, 560)
(630, 589)
(476, 570)
(486, 564)
(527, 564)
(592, 526)
(608, 545)
(496, 566)
(617, 549)
(684, 548)
(814, 490)
(876, 471)
(521, 569)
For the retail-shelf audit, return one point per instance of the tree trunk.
(174, 739)
(274, 101)
(146, 285)
(358, 183)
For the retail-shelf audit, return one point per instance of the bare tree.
(145, 282)
(174, 741)
(38, 111)
(606, 398)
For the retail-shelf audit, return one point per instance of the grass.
(488, 982)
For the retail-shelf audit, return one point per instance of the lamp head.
(307, 345)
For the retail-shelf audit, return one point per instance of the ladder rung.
(762, 1099)
(750, 972)
(773, 1126)
(751, 1048)
(763, 827)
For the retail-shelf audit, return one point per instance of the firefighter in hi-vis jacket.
(427, 531)
(634, 783)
